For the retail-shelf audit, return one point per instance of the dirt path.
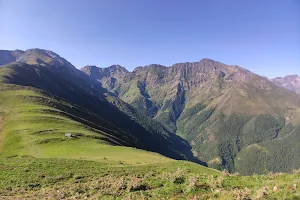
(1, 122)
(2, 119)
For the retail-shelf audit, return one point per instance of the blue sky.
(260, 35)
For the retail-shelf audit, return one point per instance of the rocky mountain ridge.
(221, 110)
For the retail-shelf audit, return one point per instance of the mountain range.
(218, 115)
(231, 117)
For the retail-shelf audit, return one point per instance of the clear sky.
(260, 35)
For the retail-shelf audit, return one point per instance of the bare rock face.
(291, 82)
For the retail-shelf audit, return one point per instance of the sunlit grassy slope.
(33, 123)
(52, 178)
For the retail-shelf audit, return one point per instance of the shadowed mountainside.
(52, 74)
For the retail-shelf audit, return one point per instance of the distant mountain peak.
(293, 76)
(42, 56)
(207, 60)
(36, 56)
(111, 68)
(290, 82)
(107, 75)
(118, 68)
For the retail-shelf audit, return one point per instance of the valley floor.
(55, 178)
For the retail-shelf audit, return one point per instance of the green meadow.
(42, 132)
(53, 178)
